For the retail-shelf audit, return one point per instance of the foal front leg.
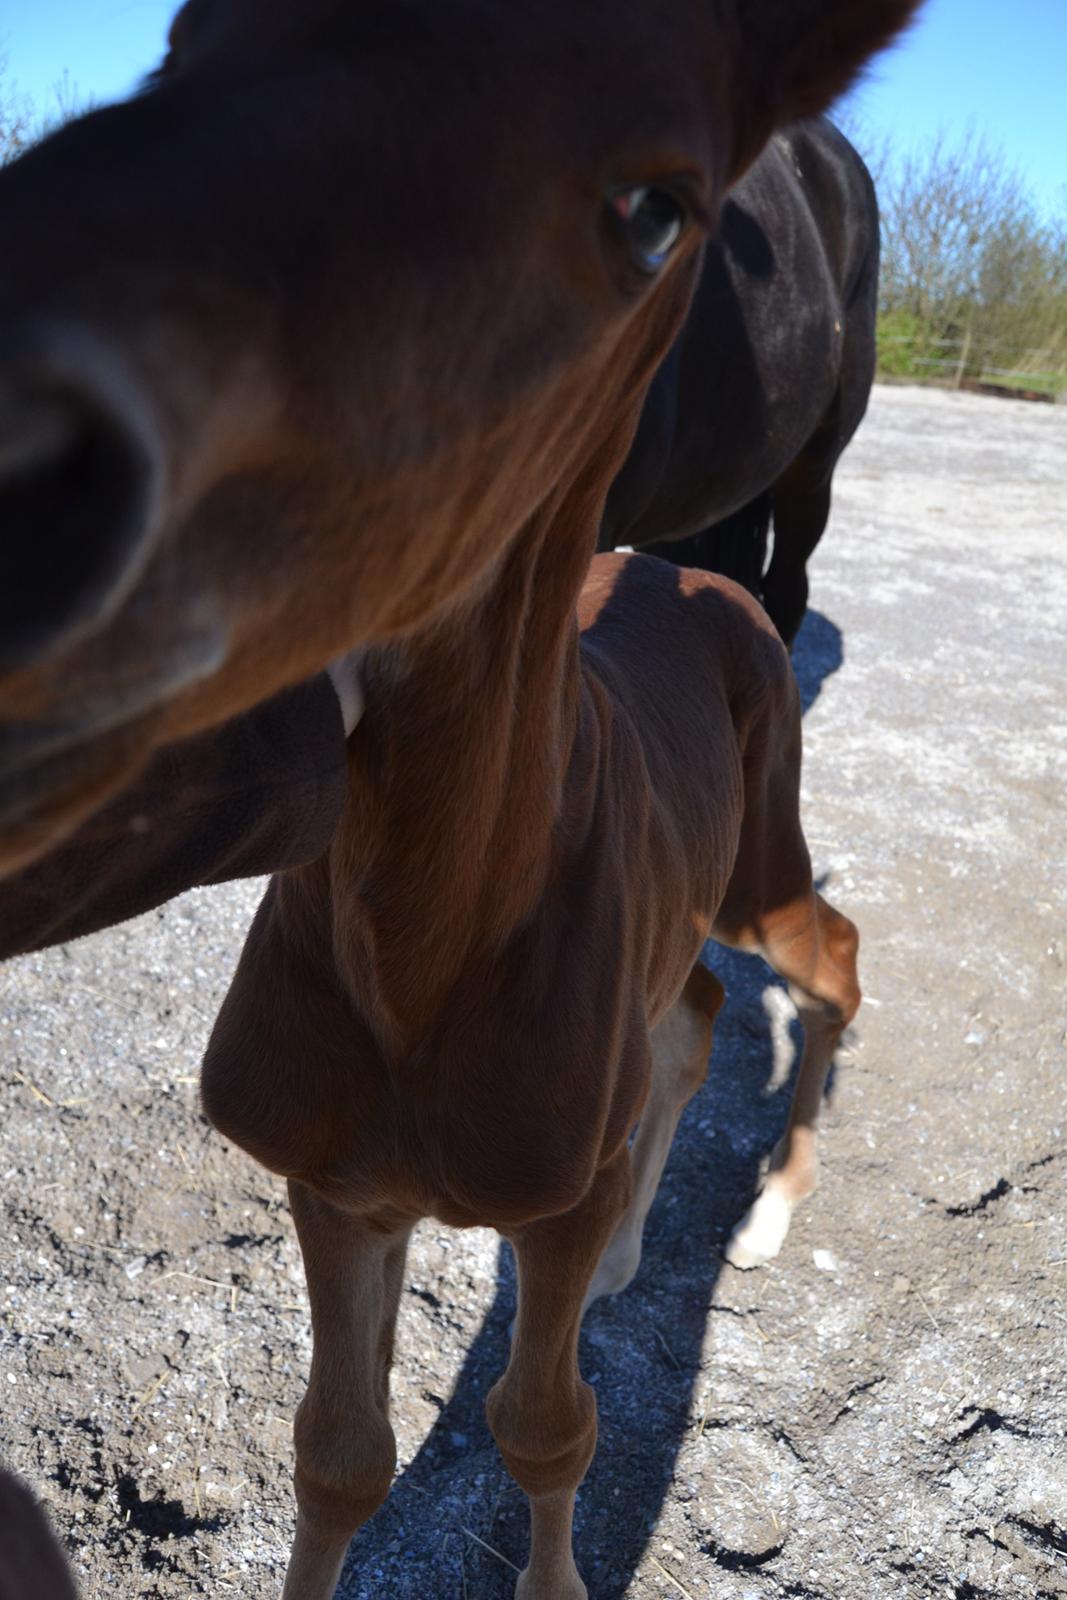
(345, 1449)
(542, 1415)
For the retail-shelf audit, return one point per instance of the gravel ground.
(880, 1413)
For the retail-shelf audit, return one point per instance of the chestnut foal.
(464, 1009)
(346, 325)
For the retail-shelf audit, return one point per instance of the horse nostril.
(78, 476)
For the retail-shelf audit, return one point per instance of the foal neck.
(457, 775)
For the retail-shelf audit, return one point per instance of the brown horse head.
(294, 343)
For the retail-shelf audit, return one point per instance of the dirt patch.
(884, 1418)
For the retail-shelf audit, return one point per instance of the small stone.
(825, 1260)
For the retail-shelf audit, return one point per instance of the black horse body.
(768, 380)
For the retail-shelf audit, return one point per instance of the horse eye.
(652, 220)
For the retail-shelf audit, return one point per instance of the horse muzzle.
(80, 474)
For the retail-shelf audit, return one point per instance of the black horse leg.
(801, 509)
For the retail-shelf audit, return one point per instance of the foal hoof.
(760, 1235)
(559, 1586)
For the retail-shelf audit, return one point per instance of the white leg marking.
(761, 1233)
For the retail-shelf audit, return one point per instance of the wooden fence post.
(961, 365)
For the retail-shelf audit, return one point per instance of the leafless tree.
(941, 205)
(973, 271)
(23, 124)
(15, 118)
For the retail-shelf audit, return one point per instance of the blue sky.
(104, 45)
(999, 67)
(1002, 68)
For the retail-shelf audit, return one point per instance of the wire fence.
(991, 366)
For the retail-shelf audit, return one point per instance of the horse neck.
(456, 779)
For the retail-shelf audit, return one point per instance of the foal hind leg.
(814, 948)
(345, 1450)
(771, 907)
(681, 1045)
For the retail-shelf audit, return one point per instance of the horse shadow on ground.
(455, 1526)
(818, 653)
